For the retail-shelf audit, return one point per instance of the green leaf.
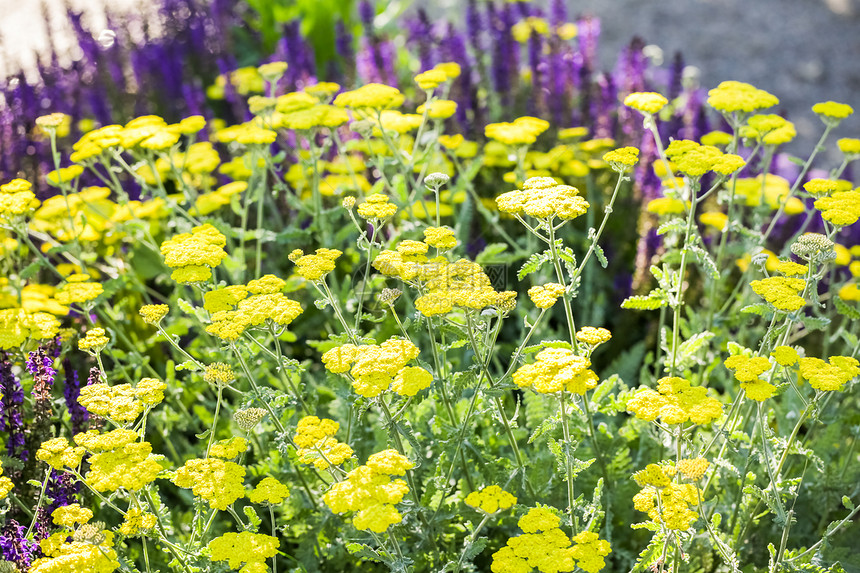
(532, 265)
(548, 425)
(673, 226)
(601, 257)
(31, 269)
(846, 501)
(815, 322)
(846, 309)
(651, 553)
(759, 308)
(475, 548)
(706, 261)
(490, 253)
(655, 299)
(253, 518)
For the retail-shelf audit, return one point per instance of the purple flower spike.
(14, 546)
(11, 413)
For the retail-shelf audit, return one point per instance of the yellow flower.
(315, 267)
(245, 547)
(693, 469)
(646, 102)
(370, 492)
(666, 206)
(781, 292)
(317, 445)
(769, 129)
(555, 370)
(593, 336)
(130, 466)
(217, 481)
(69, 515)
(94, 341)
(375, 96)
(622, 159)
(154, 313)
(545, 296)
(747, 371)
(440, 237)
(438, 109)
(831, 110)
(411, 380)
(229, 449)
(58, 453)
(785, 355)
(849, 145)
(16, 199)
(715, 219)
(523, 131)
(78, 290)
(136, 522)
(675, 402)
(842, 208)
(376, 206)
(829, 377)
(430, 79)
(732, 96)
(270, 491)
(490, 499)
(694, 160)
(716, 138)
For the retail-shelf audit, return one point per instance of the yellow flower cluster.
(17, 325)
(693, 469)
(666, 206)
(136, 522)
(229, 449)
(370, 492)
(193, 255)
(820, 186)
(6, 485)
(317, 444)
(675, 402)
(377, 207)
(593, 336)
(545, 547)
(490, 499)
(373, 96)
(769, 129)
(831, 376)
(270, 491)
(832, 110)
(675, 500)
(732, 96)
(440, 237)
(59, 453)
(376, 368)
(90, 551)
(522, 131)
(842, 208)
(781, 292)
(622, 159)
(239, 307)
(16, 199)
(438, 109)
(69, 515)
(122, 403)
(250, 548)
(773, 191)
(850, 146)
(544, 296)
(646, 102)
(543, 198)
(747, 371)
(315, 267)
(694, 160)
(118, 460)
(555, 370)
(154, 313)
(94, 341)
(218, 482)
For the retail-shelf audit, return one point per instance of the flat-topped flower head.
(269, 491)
(667, 503)
(94, 341)
(820, 186)
(768, 129)
(850, 146)
(622, 159)
(490, 499)
(218, 482)
(831, 112)
(522, 131)
(675, 402)
(252, 549)
(733, 96)
(831, 376)
(593, 336)
(431, 79)
(646, 102)
(556, 370)
(17, 199)
(376, 206)
(842, 208)
(747, 371)
(441, 238)
(545, 296)
(153, 313)
(695, 160)
(783, 293)
(374, 96)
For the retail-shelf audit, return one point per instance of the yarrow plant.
(392, 325)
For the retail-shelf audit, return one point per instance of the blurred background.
(107, 60)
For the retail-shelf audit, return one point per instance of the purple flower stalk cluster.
(11, 410)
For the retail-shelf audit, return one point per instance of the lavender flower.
(12, 420)
(14, 546)
(72, 390)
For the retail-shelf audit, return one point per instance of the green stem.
(567, 462)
